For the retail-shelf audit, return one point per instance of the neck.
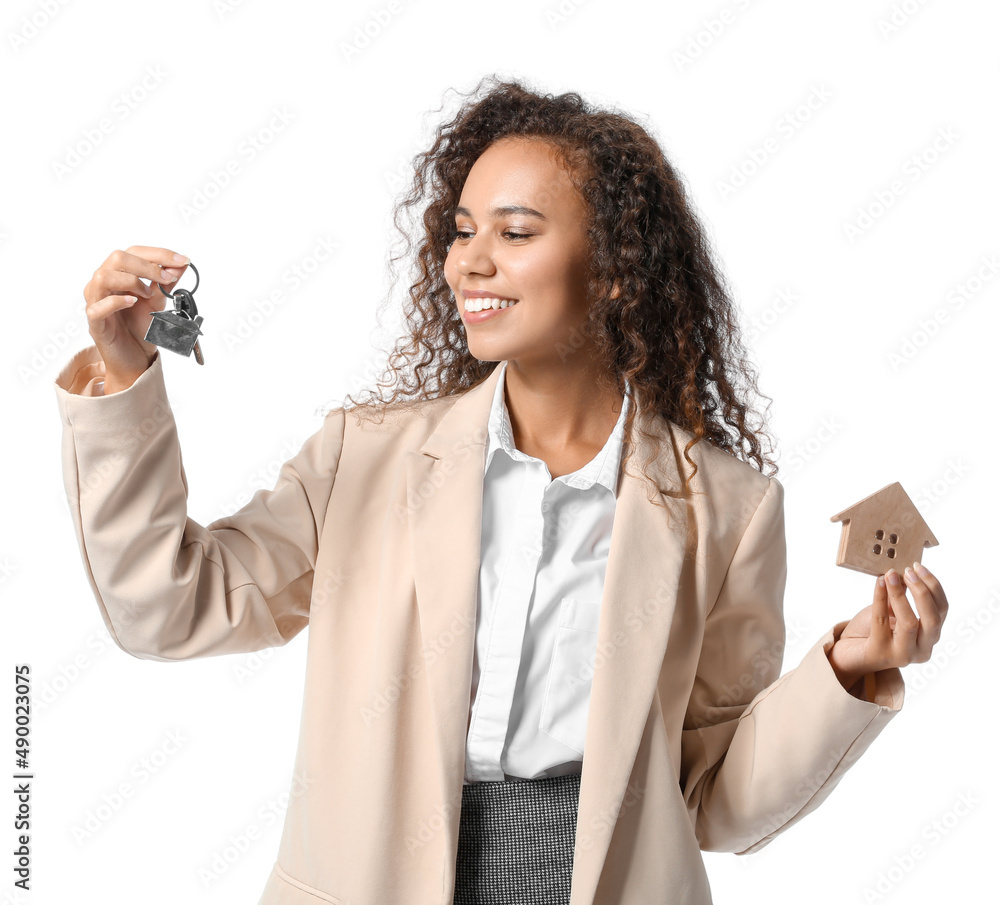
(559, 408)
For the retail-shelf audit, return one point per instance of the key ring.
(187, 300)
(178, 330)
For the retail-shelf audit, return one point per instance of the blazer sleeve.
(167, 587)
(760, 752)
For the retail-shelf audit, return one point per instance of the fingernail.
(169, 275)
(920, 569)
(911, 576)
(180, 259)
(893, 577)
(881, 581)
(131, 299)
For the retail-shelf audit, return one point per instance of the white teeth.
(480, 304)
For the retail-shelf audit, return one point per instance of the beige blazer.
(371, 538)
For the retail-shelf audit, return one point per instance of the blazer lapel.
(648, 544)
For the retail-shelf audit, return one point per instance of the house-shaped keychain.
(882, 531)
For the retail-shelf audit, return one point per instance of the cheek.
(533, 275)
(554, 284)
(544, 271)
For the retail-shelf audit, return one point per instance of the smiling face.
(521, 231)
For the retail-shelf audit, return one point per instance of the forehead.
(521, 171)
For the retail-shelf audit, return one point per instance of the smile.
(479, 310)
(481, 304)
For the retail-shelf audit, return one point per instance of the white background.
(878, 366)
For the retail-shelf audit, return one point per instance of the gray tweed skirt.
(516, 840)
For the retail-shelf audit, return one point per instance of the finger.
(148, 263)
(881, 631)
(930, 620)
(106, 282)
(165, 257)
(904, 635)
(98, 312)
(167, 279)
(934, 586)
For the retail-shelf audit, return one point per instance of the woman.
(493, 589)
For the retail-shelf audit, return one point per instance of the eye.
(460, 234)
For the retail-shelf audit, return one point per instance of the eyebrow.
(504, 211)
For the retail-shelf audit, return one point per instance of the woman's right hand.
(118, 325)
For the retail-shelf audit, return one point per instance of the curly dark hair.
(661, 315)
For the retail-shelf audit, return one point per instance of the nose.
(473, 256)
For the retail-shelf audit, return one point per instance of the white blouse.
(544, 552)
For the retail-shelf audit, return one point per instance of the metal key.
(178, 330)
(184, 300)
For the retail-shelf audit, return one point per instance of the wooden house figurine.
(882, 531)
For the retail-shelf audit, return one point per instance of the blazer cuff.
(884, 687)
(79, 389)
(833, 727)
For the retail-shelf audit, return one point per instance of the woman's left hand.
(887, 633)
